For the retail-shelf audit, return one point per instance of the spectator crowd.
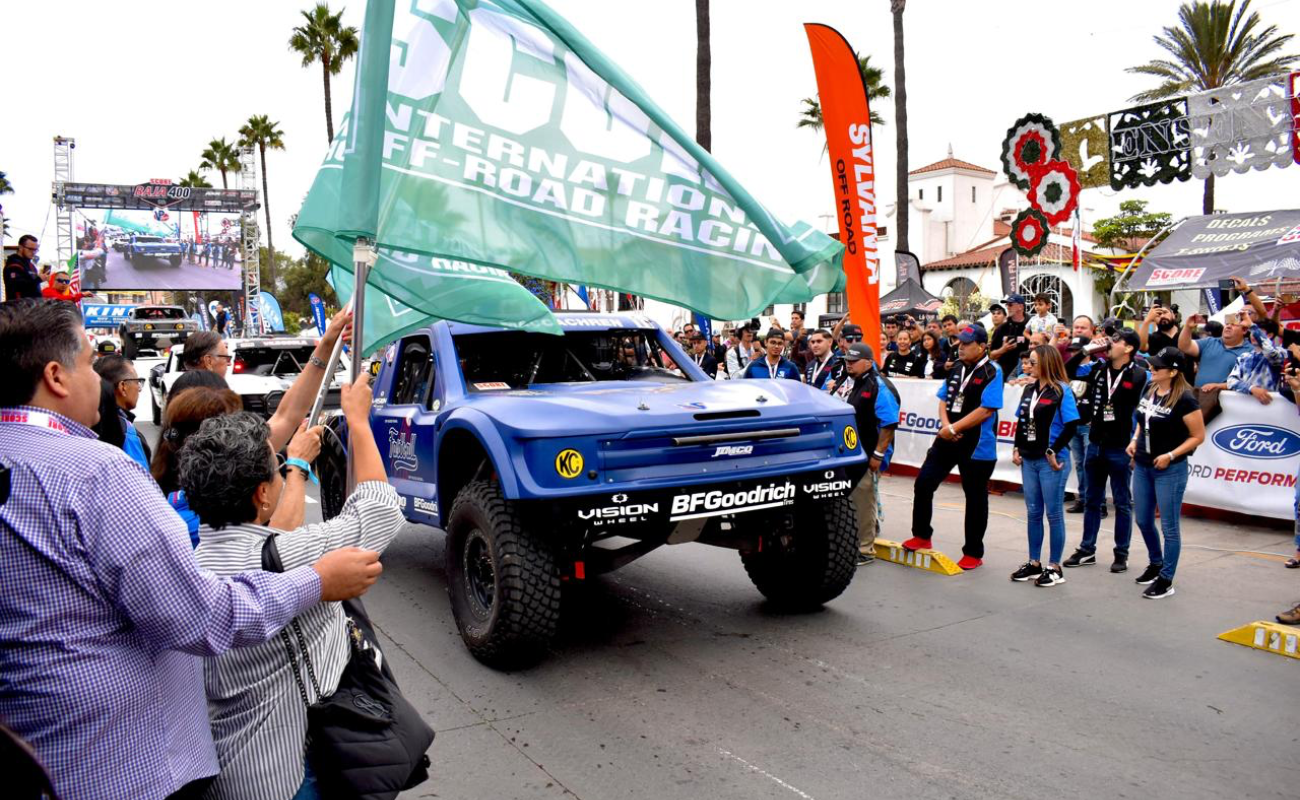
(147, 654)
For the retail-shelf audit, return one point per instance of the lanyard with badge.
(1031, 426)
(820, 369)
(967, 374)
(36, 419)
(1108, 411)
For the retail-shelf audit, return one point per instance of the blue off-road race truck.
(549, 459)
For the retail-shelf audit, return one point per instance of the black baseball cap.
(973, 333)
(1079, 342)
(858, 351)
(851, 330)
(1168, 358)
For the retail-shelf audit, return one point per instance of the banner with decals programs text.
(846, 120)
(489, 135)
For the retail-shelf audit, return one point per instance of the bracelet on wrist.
(303, 467)
(316, 361)
(878, 454)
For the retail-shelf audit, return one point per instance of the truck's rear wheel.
(130, 349)
(503, 580)
(816, 566)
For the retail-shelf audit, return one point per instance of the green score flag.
(490, 135)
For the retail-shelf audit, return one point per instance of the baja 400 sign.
(161, 193)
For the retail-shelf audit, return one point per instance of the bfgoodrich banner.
(1248, 463)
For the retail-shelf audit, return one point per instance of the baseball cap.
(1015, 298)
(851, 330)
(1079, 342)
(1168, 358)
(973, 333)
(858, 351)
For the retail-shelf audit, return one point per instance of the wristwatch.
(1051, 452)
(315, 361)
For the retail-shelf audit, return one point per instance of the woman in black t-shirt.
(907, 361)
(1169, 429)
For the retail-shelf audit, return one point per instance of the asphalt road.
(157, 275)
(672, 679)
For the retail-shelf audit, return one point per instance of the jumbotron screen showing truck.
(158, 250)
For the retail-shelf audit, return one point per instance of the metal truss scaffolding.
(64, 149)
(250, 240)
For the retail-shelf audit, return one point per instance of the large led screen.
(158, 250)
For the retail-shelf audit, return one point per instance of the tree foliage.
(221, 156)
(1128, 229)
(195, 181)
(874, 77)
(323, 37)
(300, 277)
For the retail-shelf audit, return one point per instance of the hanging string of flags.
(1247, 126)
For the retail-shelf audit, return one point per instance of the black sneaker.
(1081, 558)
(865, 558)
(1051, 577)
(1028, 571)
(1119, 565)
(1158, 589)
(1149, 574)
(1075, 508)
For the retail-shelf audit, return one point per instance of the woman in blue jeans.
(1046, 420)
(1169, 429)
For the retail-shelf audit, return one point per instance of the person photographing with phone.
(1169, 429)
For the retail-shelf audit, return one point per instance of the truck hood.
(619, 406)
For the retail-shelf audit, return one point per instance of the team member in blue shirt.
(876, 410)
(1045, 423)
(968, 414)
(774, 365)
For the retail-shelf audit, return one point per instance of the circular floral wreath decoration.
(1029, 232)
(1031, 142)
(1054, 190)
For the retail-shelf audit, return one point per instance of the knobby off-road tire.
(129, 347)
(818, 565)
(332, 470)
(502, 578)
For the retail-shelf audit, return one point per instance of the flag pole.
(363, 258)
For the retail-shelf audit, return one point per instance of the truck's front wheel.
(817, 563)
(503, 580)
(332, 470)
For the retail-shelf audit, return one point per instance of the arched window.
(1056, 290)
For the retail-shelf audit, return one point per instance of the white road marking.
(765, 774)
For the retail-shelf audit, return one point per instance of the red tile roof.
(951, 163)
(988, 254)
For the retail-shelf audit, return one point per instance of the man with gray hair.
(105, 611)
(875, 404)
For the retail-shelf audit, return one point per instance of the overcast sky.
(144, 85)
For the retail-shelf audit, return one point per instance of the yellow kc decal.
(850, 438)
(569, 463)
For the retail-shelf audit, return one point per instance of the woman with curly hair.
(258, 696)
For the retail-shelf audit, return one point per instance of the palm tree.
(896, 8)
(261, 132)
(1215, 44)
(5, 186)
(703, 77)
(323, 38)
(221, 156)
(195, 181)
(873, 77)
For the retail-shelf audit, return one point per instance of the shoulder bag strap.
(271, 563)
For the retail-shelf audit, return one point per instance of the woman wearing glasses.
(1044, 425)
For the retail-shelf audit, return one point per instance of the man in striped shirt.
(103, 610)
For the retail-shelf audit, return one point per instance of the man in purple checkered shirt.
(103, 611)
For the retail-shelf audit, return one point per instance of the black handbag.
(365, 741)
